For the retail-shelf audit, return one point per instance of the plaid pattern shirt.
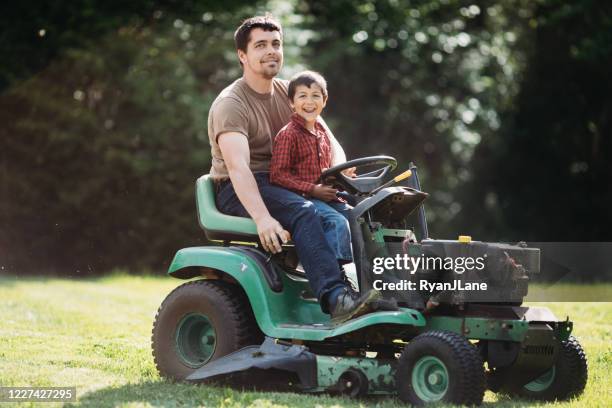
(299, 156)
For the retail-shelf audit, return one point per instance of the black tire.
(570, 374)
(222, 308)
(464, 371)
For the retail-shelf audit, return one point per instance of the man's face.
(264, 54)
(308, 102)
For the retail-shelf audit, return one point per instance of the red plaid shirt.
(299, 156)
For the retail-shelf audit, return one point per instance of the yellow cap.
(464, 238)
(403, 176)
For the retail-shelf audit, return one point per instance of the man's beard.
(270, 73)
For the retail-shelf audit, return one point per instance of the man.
(242, 123)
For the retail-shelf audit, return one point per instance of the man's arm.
(235, 150)
(338, 155)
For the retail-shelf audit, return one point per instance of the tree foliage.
(546, 176)
(99, 151)
(424, 80)
(37, 31)
(504, 105)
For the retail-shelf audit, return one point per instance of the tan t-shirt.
(259, 117)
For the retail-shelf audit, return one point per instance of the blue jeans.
(301, 218)
(334, 216)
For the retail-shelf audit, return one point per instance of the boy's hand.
(324, 193)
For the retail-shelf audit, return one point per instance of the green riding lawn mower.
(247, 312)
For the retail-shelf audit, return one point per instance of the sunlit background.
(505, 107)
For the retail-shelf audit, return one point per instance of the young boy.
(302, 150)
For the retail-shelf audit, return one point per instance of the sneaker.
(349, 306)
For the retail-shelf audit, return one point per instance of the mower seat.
(216, 225)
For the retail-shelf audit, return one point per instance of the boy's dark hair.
(306, 78)
(242, 34)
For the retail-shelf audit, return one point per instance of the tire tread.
(571, 368)
(237, 310)
(471, 382)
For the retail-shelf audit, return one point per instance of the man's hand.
(271, 234)
(324, 193)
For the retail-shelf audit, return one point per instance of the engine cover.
(453, 272)
(504, 268)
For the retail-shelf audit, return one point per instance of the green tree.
(100, 150)
(36, 32)
(420, 80)
(546, 176)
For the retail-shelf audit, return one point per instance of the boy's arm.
(235, 150)
(280, 167)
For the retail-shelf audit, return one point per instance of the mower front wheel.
(198, 322)
(440, 366)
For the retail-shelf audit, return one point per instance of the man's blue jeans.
(301, 218)
(334, 216)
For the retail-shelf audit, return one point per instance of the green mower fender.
(287, 314)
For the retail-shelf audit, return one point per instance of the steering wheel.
(364, 183)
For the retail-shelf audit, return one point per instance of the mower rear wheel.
(198, 322)
(440, 366)
(566, 379)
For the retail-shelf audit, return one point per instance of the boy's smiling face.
(308, 102)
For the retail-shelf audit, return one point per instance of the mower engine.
(451, 272)
(474, 272)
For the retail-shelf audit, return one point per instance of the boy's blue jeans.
(334, 216)
(301, 218)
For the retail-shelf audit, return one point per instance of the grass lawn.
(95, 334)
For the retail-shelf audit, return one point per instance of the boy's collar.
(301, 121)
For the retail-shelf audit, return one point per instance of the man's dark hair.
(307, 78)
(243, 33)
